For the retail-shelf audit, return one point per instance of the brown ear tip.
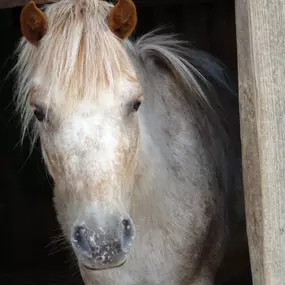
(30, 5)
(33, 22)
(122, 19)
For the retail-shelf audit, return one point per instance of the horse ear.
(33, 23)
(122, 19)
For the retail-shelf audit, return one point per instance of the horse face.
(90, 151)
(84, 96)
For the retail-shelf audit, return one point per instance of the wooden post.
(261, 67)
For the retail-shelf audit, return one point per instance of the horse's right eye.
(136, 105)
(39, 113)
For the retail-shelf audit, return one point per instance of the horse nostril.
(127, 224)
(128, 230)
(80, 239)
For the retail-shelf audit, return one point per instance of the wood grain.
(261, 67)
(15, 3)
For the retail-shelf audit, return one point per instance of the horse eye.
(39, 113)
(136, 105)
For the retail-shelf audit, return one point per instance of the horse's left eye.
(39, 113)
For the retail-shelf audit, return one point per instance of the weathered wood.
(261, 66)
(15, 3)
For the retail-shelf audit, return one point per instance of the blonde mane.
(79, 54)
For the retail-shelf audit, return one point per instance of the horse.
(140, 137)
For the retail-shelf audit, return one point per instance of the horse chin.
(101, 267)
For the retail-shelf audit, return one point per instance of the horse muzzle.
(103, 244)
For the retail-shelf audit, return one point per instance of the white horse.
(141, 139)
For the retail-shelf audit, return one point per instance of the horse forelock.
(77, 58)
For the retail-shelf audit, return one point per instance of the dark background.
(27, 218)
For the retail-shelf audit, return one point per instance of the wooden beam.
(15, 3)
(162, 3)
(261, 66)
